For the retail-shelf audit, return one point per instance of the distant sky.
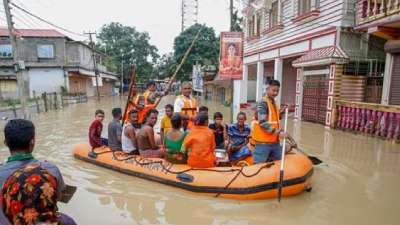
(160, 18)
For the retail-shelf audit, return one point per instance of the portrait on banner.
(231, 55)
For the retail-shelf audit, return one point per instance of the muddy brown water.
(359, 182)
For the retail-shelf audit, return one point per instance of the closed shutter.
(315, 98)
(394, 98)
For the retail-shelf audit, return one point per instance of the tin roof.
(33, 33)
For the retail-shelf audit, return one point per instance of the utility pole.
(96, 71)
(231, 14)
(18, 63)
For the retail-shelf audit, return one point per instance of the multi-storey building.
(311, 46)
(52, 60)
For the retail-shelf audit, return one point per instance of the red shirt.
(95, 134)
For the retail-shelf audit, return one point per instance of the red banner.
(231, 55)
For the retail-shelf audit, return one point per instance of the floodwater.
(357, 184)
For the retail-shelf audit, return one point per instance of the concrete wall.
(45, 80)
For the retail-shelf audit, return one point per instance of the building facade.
(311, 46)
(381, 18)
(48, 58)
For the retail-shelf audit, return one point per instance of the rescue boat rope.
(141, 163)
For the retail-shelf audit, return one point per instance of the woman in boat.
(145, 137)
(199, 144)
(173, 141)
(238, 139)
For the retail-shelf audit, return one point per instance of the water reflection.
(358, 183)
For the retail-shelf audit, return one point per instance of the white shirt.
(127, 145)
(180, 103)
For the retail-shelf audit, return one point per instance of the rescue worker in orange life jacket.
(186, 104)
(267, 130)
(148, 100)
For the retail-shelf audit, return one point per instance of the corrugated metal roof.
(33, 33)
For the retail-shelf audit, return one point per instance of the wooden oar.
(281, 172)
(180, 65)
(130, 92)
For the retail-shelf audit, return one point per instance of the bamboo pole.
(173, 77)
(132, 82)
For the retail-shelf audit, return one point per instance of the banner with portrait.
(231, 55)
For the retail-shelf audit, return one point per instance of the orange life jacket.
(189, 106)
(142, 113)
(131, 105)
(258, 133)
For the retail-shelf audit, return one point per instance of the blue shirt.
(237, 137)
(9, 168)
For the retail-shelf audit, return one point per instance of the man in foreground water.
(19, 136)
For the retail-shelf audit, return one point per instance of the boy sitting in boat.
(238, 139)
(128, 139)
(115, 130)
(220, 130)
(95, 130)
(165, 125)
(174, 139)
(145, 137)
(20, 139)
(199, 144)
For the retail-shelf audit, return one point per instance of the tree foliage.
(205, 50)
(126, 44)
(237, 21)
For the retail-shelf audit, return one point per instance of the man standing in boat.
(186, 104)
(266, 130)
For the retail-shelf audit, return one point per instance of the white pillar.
(240, 91)
(386, 79)
(245, 78)
(278, 67)
(260, 80)
(279, 11)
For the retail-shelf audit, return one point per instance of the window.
(273, 15)
(5, 51)
(45, 51)
(304, 6)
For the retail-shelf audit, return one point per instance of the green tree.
(165, 66)
(205, 50)
(126, 44)
(237, 20)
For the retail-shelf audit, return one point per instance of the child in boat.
(238, 139)
(145, 137)
(174, 140)
(95, 130)
(199, 144)
(166, 125)
(219, 129)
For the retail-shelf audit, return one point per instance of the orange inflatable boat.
(248, 183)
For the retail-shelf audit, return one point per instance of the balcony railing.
(367, 118)
(371, 10)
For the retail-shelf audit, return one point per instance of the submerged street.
(357, 183)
